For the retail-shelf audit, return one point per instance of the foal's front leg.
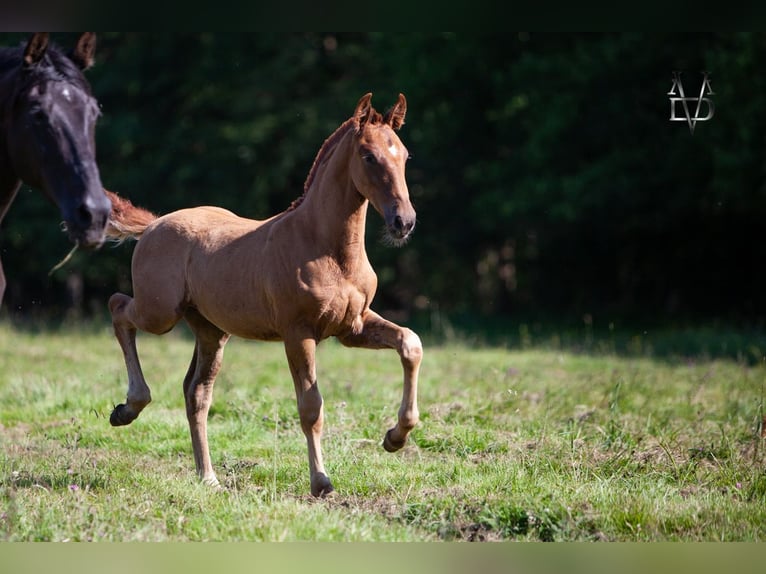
(301, 356)
(377, 333)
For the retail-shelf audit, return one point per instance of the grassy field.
(526, 444)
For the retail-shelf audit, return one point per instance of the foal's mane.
(321, 156)
(328, 145)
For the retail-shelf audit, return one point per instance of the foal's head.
(377, 166)
(51, 134)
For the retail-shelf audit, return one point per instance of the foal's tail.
(126, 221)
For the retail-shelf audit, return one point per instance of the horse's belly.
(253, 323)
(253, 301)
(236, 317)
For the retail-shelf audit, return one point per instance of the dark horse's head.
(49, 118)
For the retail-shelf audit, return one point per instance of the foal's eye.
(369, 158)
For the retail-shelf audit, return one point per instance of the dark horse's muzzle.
(86, 221)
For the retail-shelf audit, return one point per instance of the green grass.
(526, 444)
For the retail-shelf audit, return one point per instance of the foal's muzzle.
(401, 228)
(400, 224)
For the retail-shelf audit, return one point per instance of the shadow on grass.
(52, 481)
(589, 335)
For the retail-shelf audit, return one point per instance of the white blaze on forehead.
(66, 94)
(393, 150)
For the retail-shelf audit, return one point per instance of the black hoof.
(391, 445)
(325, 492)
(322, 488)
(120, 417)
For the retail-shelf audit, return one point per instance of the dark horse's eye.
(369, 158)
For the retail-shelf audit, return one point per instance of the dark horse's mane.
(54, 66)
(324, 151)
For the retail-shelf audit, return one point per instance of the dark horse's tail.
(126, 221)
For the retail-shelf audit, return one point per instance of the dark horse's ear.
(82, 54)
(395, 116)
(35, 49)
(362, 112)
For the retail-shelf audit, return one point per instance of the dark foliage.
(548, 180)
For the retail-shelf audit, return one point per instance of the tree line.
(548, 178)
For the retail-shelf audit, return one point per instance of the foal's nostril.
(402, 227)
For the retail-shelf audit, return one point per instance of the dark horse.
(47, 134)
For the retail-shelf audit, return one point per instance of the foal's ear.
(362, 112)
(35, 49)
(395, 116)
(82, 54)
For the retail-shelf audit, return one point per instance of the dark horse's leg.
(301, 355)
(198, 388)
(378, 333)
(8, 193)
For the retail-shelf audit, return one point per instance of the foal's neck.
(335, 209)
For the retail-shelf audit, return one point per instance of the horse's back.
(206, 228)
(205, 257)
(200, 219)
(176, 240)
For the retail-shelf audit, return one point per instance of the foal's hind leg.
(377, 333)
(127, 317)
(121, 307)
(198, 388)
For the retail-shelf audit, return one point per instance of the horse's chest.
(337, 307)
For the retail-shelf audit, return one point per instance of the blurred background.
(551, 188)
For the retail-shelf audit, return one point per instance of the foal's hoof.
(120, 416)
(390, 444)
(212, 483)
(322, 487)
